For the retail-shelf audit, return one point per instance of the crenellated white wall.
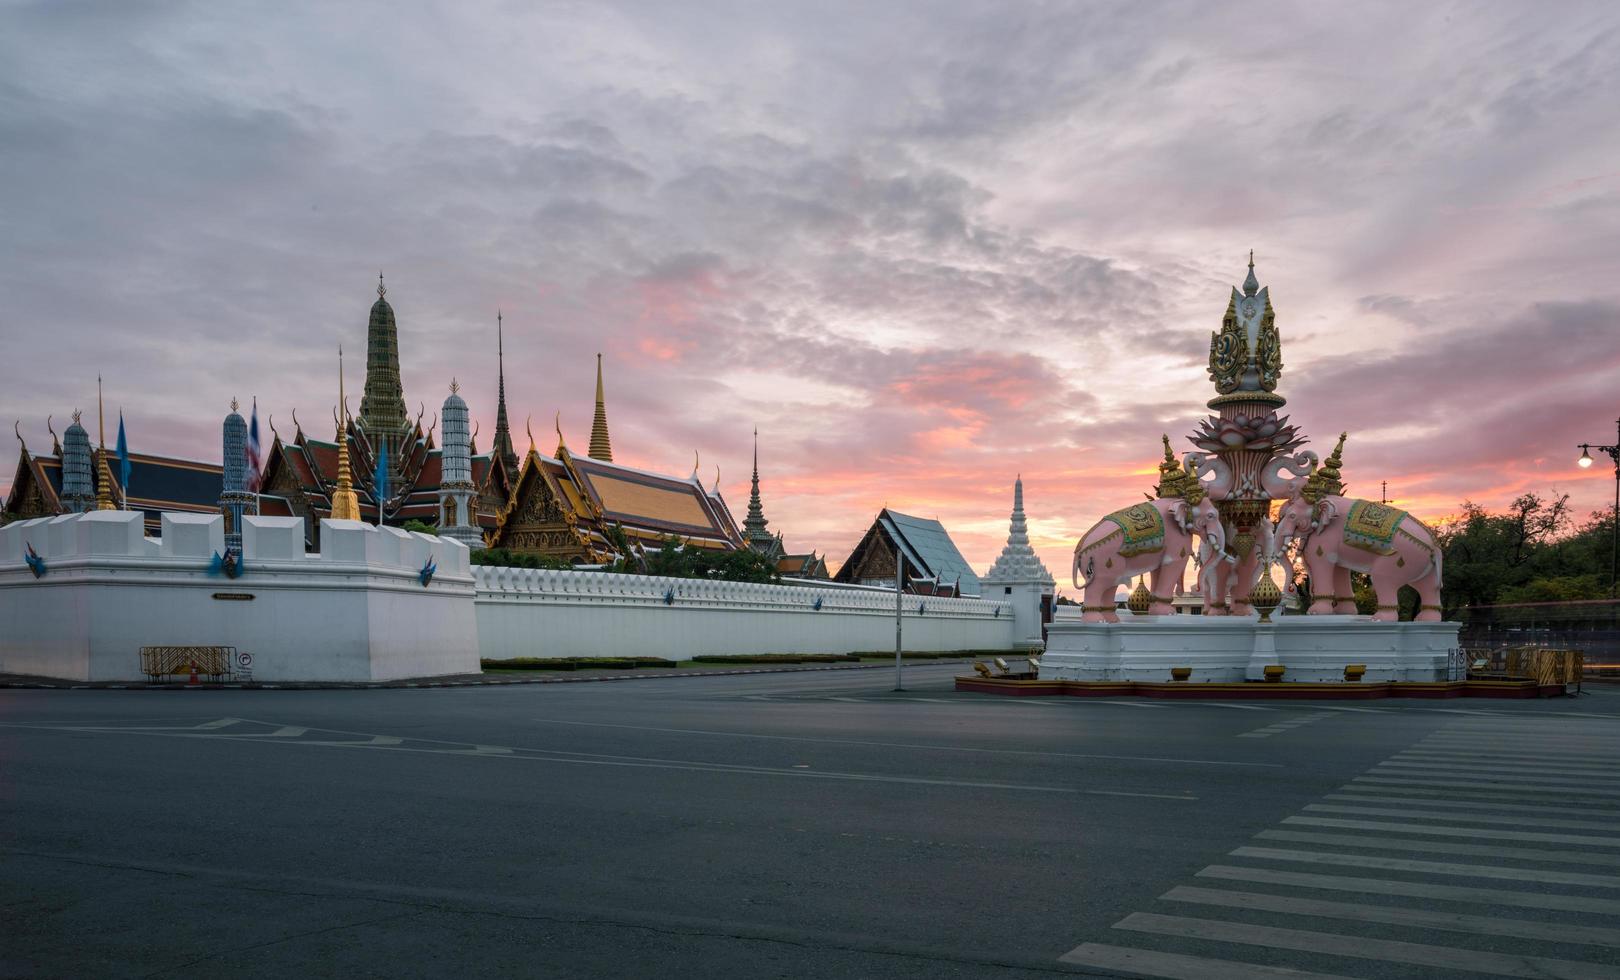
(356, 611)
(548, 613)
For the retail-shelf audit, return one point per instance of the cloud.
(924, 247)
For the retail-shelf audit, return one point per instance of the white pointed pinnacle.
(1018, 561)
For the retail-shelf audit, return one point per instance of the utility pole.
(899, 590)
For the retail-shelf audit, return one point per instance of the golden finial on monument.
(345, 503)
(1172, 481)
(1326, 480)
(103, 473)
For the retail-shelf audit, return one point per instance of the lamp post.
(1586, 461)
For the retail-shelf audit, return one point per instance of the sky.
(923, 247)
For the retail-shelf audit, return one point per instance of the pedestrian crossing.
(1489, 848)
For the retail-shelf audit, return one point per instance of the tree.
(421, 527)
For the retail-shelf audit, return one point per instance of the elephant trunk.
(1279, 488)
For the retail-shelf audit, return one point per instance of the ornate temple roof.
(1018, 561)
(157, 484)
(929, 551)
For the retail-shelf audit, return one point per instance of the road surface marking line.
(1486, 833)
(1362, 947)
(1179, 966)
(1440, 847)
(903, 745)
(1413, 889)
(1510, 821)
(1505, 760)
(1432, 867)
(1238, 707)
(221, 723)
(1522, 789)
(1480, 925)
(1414, 766)
(1472, 805)
(1410, 770)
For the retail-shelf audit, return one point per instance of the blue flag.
(379, 481)
(123, 459)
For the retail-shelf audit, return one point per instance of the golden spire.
(103, 474)
(601, 448)
(1172, 480)
(345, 505)
(1326, 480)
(561, 445)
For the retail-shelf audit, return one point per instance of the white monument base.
(1228, 649)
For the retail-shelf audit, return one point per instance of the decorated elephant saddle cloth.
(1371, 526)
(1143, 527)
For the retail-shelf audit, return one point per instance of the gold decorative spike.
(56, 444)
(1326, 480)
(601, 446)
(695, 464)
(345, 504)
(234, 404)
(104, 475)
(562, 444)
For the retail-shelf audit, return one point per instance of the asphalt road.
(802, 825)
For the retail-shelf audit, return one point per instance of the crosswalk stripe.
(1238, 707)
(221, 723)
(1440, 847)
(1509, 758)
(1432, 867)
(1459, 784)
(1473, 805)
(1415, 766)
(1516, 796)
(1493, 774)
(1513, 821)
(1362, 947)
(1414, 889)
(1480, 925)
(1486, 833)
(1552, 747)
(1179, 966)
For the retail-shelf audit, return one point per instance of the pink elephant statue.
(1341, 535)
(1154, 538)
(1226, 585)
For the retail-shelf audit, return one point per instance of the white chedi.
(1018, 562)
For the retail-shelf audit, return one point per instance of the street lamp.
(1585, 462)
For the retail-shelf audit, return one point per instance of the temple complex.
(73, 478)
(561, 506)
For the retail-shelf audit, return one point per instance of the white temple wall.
(356, 611)
(545, 613)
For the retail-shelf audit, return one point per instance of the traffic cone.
(193, 673)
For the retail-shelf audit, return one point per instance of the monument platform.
(1231, 649)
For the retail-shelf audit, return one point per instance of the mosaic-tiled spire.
(502, 448)
(1018, 561)
(754, 524)
(234, 497)
(78, 485)
(382, 403)
(601, 448)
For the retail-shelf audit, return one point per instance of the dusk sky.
(924, 247)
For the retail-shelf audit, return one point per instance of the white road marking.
(1414, 889)
(905, 745)
(1178, 966)
(1552, 789)
(221, 723)
(1362, 947)
(1425, 766)
(1431, 867)
(1440, 847)
(1486, 833)
(1509, 821)
(1479, 925)
(1493, 774)
(1472, 805)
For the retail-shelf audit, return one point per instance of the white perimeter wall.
(357, 611)
(545, 613)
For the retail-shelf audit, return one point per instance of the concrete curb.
(17, 682)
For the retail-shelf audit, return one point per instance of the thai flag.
(254, 460)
